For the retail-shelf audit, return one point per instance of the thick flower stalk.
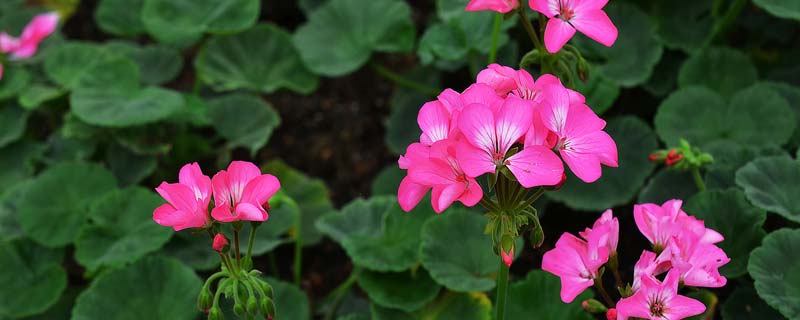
(241, 193)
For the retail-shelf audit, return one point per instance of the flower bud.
(593, 306)
(507, 252)
(252, 305)
(583, 70)
(611, 314)
(204, 300)
(673, 157)
(238, 310)
(220, 243)
(268, 290)
(537, 234)
(215, 314)
(268, 307)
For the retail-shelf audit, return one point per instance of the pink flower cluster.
(687, 254)
(468, 134)
(26, 45)
(240, 194)
(565, 18)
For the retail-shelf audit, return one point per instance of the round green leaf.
(68, 63)
(12, 123)
(182, 22)
(121, 230)
(129, 167)
(36, 94)
(775, 267)
(388, 180)
(9, 227)
(632, 58)
(332, 48)
(32, 278)
(744, 304)
(152, 288)
(120, 17)
(666, 185)
(244, 120)
(539, 293)
(262, 58)
(290, 301)
(771, 184)
(755, 116)
(158, 64)
(54, 207)
(457, 253)
(15, 80)
(729, 213)
(458, 306)
(442, 41)
(792, 95)
(376, 233)
(600, 91)
(684, 24)
(401, 127)
(723, 70)
(311, 196)
(635, 140)
(407, 290)
(192, 249)
(729, 157)
(788, 9)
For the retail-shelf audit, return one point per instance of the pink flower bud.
(611, 314)
(219, 242)
(508, 257)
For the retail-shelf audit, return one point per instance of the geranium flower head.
(697, 263)
(603, 234)
(219, 242)
(442, 172)
(502, 6)
(26, 45)
(659, 300)
(187, 200)
(659, 224)
(241, 191)
(570, 260)
(567, 16)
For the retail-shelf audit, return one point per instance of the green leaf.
(193, 249)
(539, 293)
(15, 79)
(729, 157)
(244, 120)
(668, 184)
(9, 228)
(182, 22)
(17, 161)
(457, 253)
(129, 167)
(771, 184)
(120, 17)
(787, 9)
(332, 48)
(632, 58)
(290, 301)
(617, 186)
(684, 25)
(744, 304)
(723, 70)
(68, 63)
(600, 91)
(376, 233)
(775, 267)
(34, 95)
(401, 127)
(792, 95)
(32, 278)
(755, 116)
(152, 288)
(158, 64)
(407, 290)
(388, 181)
(729, 213)
(442, 41)
(261, 59)
(121, 230)
(54, 207)
(13, 120)
(451, 306)
(311, 196)
(282, 217)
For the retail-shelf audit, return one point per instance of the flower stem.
(598, 283)
(526, 23)
(236, 242)
(698, 179)
(403, 81)
(338, 293)
(539, 192)
(498, 21)
(250, 241)
(502, 291)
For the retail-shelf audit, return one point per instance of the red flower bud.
(219, 242)
(611, 314)
(673, 157)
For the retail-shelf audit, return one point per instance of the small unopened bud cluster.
(252, 296)
(683, 157)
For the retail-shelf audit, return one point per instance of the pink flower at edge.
(442, 173)
(490, 131)
(566, 16)
(410, 193)
(219, 242)
(241, 191)
(501, 6)
(646, 265)
(570, 261)
(603, 234)
(659, 224)
(659, 300)
(37, 30)
(697, 263)
(188, 200)
(582, 143)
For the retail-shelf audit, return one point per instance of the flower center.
(498, 158)
(657, 307)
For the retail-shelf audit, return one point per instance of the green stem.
(250, 241)
(502, 290)
(488, 204)
(498, 21)
(727, 20)
(220, 288)
(213, 277)
(698, 179)
(227, 263)
(237, 253)
(403, 81)
(526, 23)
(598, 283)
(339, 293)
(539, 192)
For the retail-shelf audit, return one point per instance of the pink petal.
(473, 161)
(451, 100)
(583, 5)
(192, 176)
(432, 172)
(566, 261)
(410, 193)
(241, 172)
(415, 152)
(583, 155)
(39, 28)
(596, 25)
(260, 189)
(682, 307)
(167, 216)
(555, 108)
(538, 134)
(220, 184)
(501, 78)
(444, 195)
(642, 215)
(633, 306)
(477, 125)
(434, 120)
(585, 166)
(479, 93)
(502, 6)
(512, 122)
(473, 193)
(179, 196)
(548, 8)
(8, 43)
(246, 211)
(536, 166)
(557, 34)
(223, 213)
(582, 120)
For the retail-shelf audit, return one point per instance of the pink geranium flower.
(566, 16)
(659, 300)
(659, 224)
(241, 192)
(697, 263)
(490, 131)
(410, 193)
(502, 6)
(442, 172)
(582, 143)
(219, 242)
(645, 266)
(188, 200)
(570, 260)
(603, 234)
(26, 45)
